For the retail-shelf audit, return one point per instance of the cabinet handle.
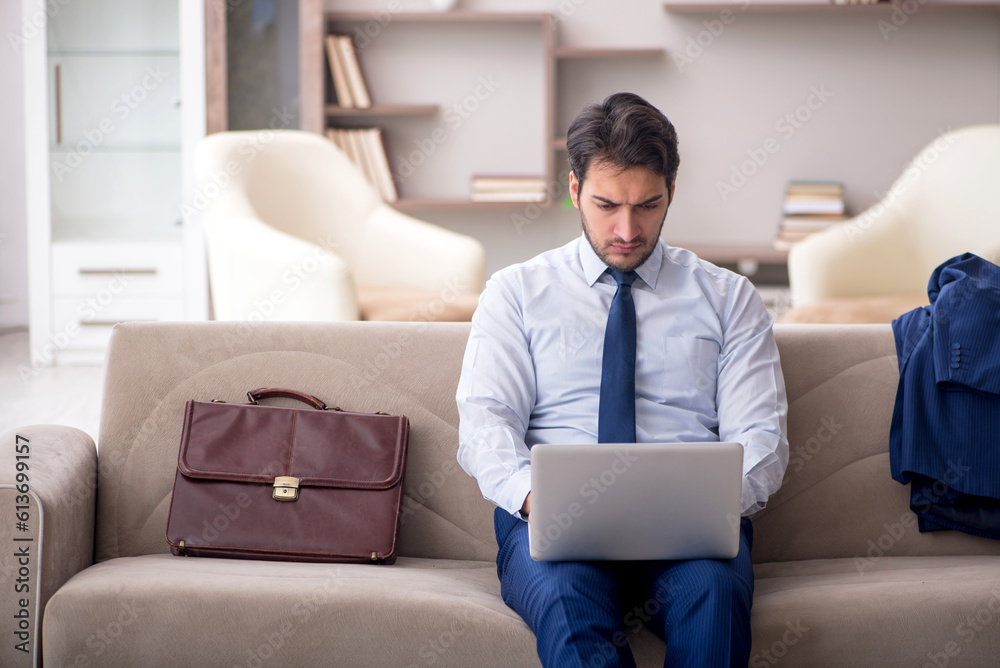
(89, 272)
(58, 78)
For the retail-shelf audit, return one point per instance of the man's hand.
(526, 506)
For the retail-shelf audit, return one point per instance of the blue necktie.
(616, 414)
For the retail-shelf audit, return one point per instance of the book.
(812, 206)
(815, 188)
(351, 147)
(357, 143)
(333, 134)
(814, 198)
(508, 196)
(355, 80)
(380, 160)
(364, 148)
(809, 207)
(810, 223)
(337, 72)
(368, 158)
(509, 189)
(507, 183)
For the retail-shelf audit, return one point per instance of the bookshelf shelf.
(451, 133)
(819, 5)
(734, 254)
(408, 126)
(335, 111)
(576, 53)
(440, 17)
(442, 204)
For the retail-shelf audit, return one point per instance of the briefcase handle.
(266, 392)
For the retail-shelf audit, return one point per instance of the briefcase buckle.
(286, 488)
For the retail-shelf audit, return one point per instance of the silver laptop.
(632, 501)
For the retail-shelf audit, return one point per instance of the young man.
(617, 337)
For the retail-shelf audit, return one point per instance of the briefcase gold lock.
(286, 488)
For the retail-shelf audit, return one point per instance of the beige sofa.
(843, 576)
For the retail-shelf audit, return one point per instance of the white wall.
(13, 234)
(891, 92)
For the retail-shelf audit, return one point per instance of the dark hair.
(625, 131)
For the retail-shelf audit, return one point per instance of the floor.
(65, 395)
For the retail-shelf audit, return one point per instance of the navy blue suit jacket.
(945, 434)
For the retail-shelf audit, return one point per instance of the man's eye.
(650, 207)
(605, 207)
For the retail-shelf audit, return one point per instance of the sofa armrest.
(260, 273)
(48, 480)
(399, 251)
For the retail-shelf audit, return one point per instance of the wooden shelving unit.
(819, 5)
(719, 254)
(570, 55)
(313, 74)
(346, 22)
(333, 110)
(442, 17)
(414, 204)
(577, 53)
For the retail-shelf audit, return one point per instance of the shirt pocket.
(690, 372)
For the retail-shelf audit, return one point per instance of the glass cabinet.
(116, 245)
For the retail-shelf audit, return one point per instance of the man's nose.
(626, 227)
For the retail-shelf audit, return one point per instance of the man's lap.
(641, 590)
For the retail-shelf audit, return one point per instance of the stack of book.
(810, 206)
(365, 149)
(348, 82)
(508, 189)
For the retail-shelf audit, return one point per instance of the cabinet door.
(109, 146)
(114, 120)
(123, 100)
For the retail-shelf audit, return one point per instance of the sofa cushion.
(175, 611)
(878, 611)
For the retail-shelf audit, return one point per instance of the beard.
(630, 261)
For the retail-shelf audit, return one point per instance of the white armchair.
(294, 231)
(876, 266)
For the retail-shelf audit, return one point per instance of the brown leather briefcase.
(290, 484)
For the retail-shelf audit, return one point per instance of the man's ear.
(673, 189)
(574, 189)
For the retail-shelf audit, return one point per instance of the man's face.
(622, 212)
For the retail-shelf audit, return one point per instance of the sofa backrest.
(837, 496)
(400, 368)
(838, 499)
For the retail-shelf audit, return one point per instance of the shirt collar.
(594, 267)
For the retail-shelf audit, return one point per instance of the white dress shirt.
(707, 368)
